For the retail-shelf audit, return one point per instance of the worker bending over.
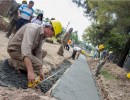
(76, 51)
(25, 48)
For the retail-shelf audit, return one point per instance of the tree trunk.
(115, 58)
(124, 54)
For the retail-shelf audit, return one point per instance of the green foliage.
(111, 23)
(74, 37)
(88, 47)
(116, 42)
(38, 11)
(47, 19)
(107, 75)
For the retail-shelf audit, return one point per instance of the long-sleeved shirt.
(66, 37)
(37, 21)
(28, 40)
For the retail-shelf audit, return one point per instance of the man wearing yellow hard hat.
(101, 49)
(25, 47)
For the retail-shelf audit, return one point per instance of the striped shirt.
(26, 12)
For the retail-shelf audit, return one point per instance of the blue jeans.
(21, 22)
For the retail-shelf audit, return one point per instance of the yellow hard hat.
(24, 1)
(56, 26)
(128, 75)
(101, 47)
(82, 51)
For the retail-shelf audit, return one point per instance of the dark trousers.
(21, 22)
(61, 49)
(11, 27)
(73, 54)
(67, 47)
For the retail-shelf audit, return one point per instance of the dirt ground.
(112, 81)
(51, 61)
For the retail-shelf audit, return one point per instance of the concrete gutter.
(77, 83)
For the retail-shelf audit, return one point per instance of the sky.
(65, 11)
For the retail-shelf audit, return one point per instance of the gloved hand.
(36, 82)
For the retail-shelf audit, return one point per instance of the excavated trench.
(9, 77)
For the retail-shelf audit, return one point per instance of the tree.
(74, 37)
(110, 26)
(38, 11)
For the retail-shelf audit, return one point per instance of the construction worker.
(64, 42)
(25, 14)
(102, 59)
(25, 48)
(76, 51)
(14, 18)
(102, 51)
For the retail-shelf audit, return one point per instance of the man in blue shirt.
(25, 13)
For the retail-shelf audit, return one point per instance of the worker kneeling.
(25, 48)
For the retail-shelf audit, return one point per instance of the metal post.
(67, 26)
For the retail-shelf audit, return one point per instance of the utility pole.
(65, 30)
(67, 26)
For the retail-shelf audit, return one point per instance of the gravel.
(9, 77)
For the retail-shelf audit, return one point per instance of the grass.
(107, 75)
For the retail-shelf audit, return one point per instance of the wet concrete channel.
(77, 83)
(12, 78)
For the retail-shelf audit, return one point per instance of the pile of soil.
(112, 81)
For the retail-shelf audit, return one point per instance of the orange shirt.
(69, 42)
